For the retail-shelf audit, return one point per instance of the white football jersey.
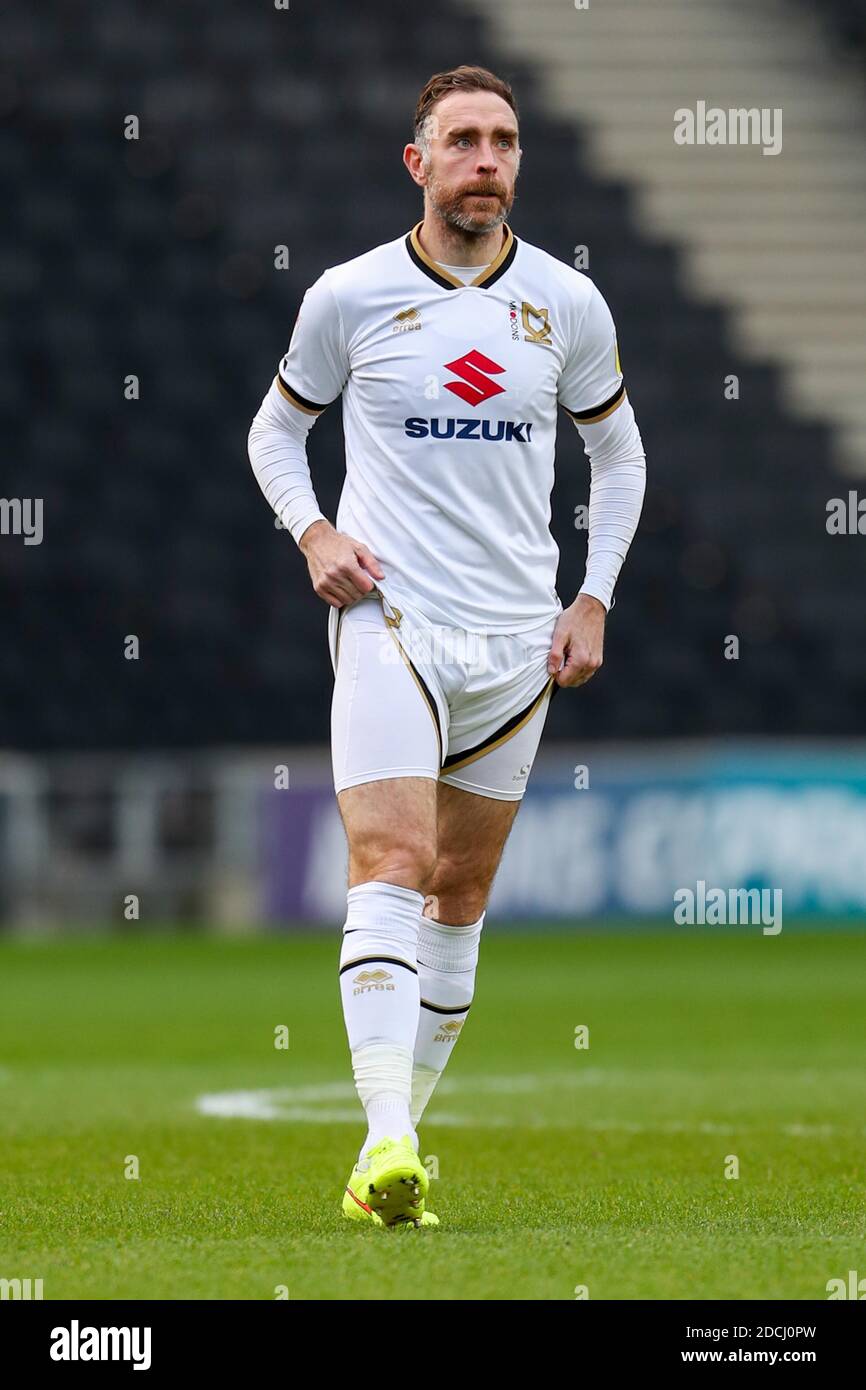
(450, 395)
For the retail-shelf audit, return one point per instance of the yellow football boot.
(392, 1190)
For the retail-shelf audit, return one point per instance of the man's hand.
(579, 638)
(340, 567)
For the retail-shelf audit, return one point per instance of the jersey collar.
(440, 276)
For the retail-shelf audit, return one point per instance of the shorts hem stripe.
(455, 761)
(359, 778)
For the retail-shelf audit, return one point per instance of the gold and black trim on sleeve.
(298, 401)
(598, 412)
(440, 276)
(455, 761)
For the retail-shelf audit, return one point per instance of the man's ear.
(414, 161)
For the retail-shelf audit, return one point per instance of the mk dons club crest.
(540, 331)
(535, 323)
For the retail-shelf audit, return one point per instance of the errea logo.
(407, 321)
(369, 980)
(475, 386)
(448, 1031)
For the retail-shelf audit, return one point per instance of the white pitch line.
(316, 1105)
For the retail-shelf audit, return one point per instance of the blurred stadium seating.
(848, 18)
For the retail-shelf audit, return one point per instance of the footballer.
(453, 346)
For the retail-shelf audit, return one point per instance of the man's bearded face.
(477, 204)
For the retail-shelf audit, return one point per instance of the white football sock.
(447, 961)
(379, 988)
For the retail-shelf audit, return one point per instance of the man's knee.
(459, 889)
(406, 859)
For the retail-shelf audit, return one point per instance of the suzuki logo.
(475, 386)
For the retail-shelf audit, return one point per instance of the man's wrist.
(585, 599)
(310, 532)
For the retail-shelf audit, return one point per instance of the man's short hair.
(462, 79)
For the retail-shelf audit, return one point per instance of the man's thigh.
(390, 825)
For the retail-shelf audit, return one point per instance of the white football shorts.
(413, 699)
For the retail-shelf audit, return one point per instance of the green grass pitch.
(558, 1167)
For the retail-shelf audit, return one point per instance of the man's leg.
(479, 795)
(386, 753)
(472, 831)
(391, 828)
